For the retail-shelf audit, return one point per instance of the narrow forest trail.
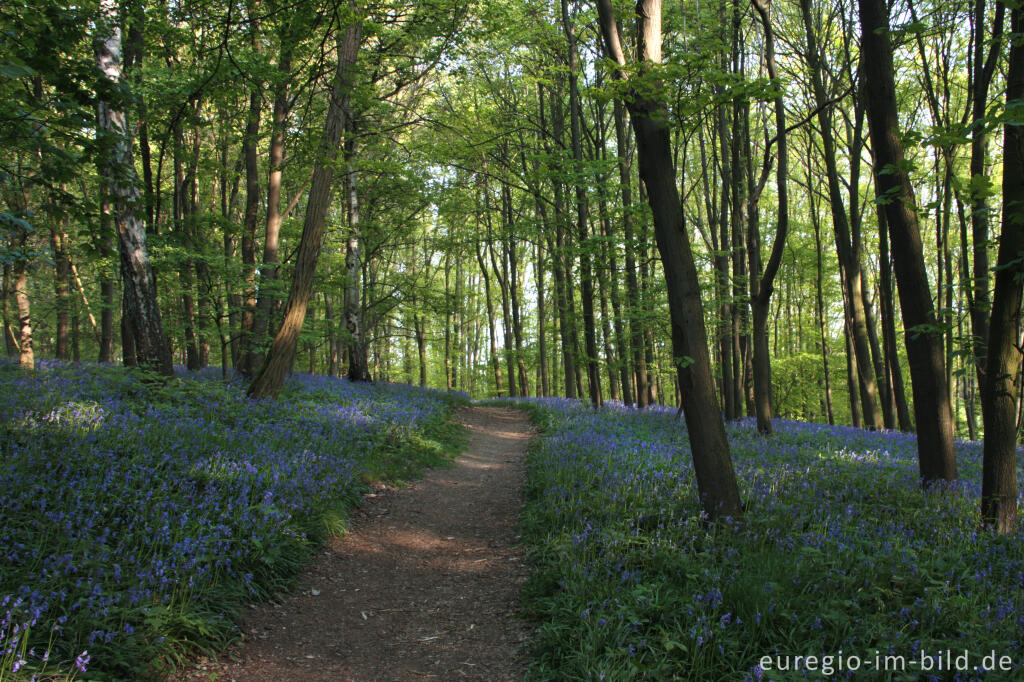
(424, 586)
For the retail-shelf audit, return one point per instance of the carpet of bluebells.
(840, 555)
(137, 517)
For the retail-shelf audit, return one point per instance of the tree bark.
(1002, 364)
(275, 216)
(636, 325)
(983, 68)
(762, 284)
(934, 418)
(61, 292)
(358, 363)
(845, 247)
(121, 185)
(586, 274)
(716, 480)
(281, 355)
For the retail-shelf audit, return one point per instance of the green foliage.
(838, 550)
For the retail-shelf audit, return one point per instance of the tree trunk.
(275, 216)
(999, 409)
(26, 356)
(281, 356)
(983, 68)
(358, 365)
(495, 361)
(845, 248)
(716, 480)
(244, 356)
(888, 315)
(121, 186)
(586, 274)
(10, 341)
(820, 308)
(542, 348)
(762, 284)
(61, 292)
(636, 335)
(923, 340)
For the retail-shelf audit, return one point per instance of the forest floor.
(424, 585)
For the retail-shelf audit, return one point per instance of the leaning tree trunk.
(936, 455)
(1002, 363)
(281, 355)
(716, 480)
(121, 187)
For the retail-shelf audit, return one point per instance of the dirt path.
(423, 587)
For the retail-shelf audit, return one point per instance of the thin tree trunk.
(542, 349)
(495, 361)
(61, 292)
(275, 217)
(632, 286)
(10, 341)
(983, 68)
(358, 365)
(888, 314)
(586, 275)
(26, 356)
(845, 246)
(762, 284)
(820, 308)
(244, 355)
(281, 356)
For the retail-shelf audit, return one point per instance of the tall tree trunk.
(716, 480)
(108, 287)
(244, 356)
(845, 246)
(542, 348)
(983, 68)
(820, 309)
(358, 365)
(494, 359)
(61, 292)
(281, 355)
(558, 252)
(636, 325)
(936, 455)
(10, 341)
(26, 355)
(888, 315)
(121, 187)
(1002, 387)
(586, 274)
(275, 216)
(763, 284)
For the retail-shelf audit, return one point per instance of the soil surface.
(424, 586)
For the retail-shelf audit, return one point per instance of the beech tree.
(716, 479)
(923, 339)
(1003, 356)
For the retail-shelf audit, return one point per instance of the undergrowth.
(139, 516)
(840, 558)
